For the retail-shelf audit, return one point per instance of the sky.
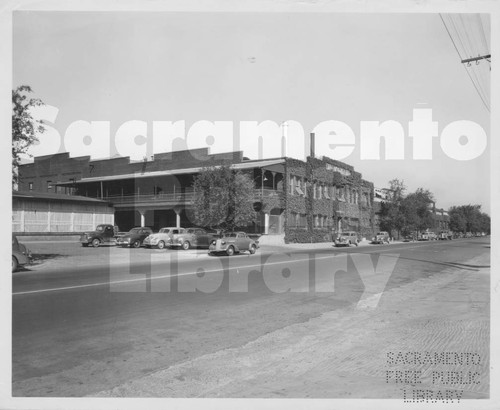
(305, 67)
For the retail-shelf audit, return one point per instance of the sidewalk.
(58, 255)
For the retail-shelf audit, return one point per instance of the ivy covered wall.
(311, 216)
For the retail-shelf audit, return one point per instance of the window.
(49, 186)
(302, 223)
(30, 186)
(298, 188)
(314, 190)
(326, 188)
(292, 184)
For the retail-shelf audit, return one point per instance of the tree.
(458, 222)
(418, 209)
(24, 126)
(391, 216)
(469, 218)
(398, 189)
(406, 213)
(223, 197)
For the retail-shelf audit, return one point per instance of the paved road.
(79, 331)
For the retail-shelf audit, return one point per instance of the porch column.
(72, 222)
(266, 223)
(177, 218)
(143, 217)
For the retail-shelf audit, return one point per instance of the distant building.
(382, 194)
(306, 200)
(441, 219)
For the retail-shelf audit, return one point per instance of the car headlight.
(180, 240)
(223, 242)
(128, 240)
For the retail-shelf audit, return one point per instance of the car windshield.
(381, 233)
(191, 231)
(100, 228)
(230, 235)
(164, 230)
(135, 230)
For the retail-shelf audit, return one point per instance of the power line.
(479, 92)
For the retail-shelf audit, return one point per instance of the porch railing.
(185, 197)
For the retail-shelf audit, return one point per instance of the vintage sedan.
(445, 235)
(347, 239)
(192, 238)
(134, 238)
(428, 236)
(162, 238)
(20, 254)
(381, 237)
(231, 243)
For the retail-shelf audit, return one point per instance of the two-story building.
(303, 199)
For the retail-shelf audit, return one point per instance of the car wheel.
(96, 242)
(230, 251)
(15, 264)
(136, 244)
(186, 245)
(252, 249)
(161, 245)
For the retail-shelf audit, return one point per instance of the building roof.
(242, 165)
(54, 197)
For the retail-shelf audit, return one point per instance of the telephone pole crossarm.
(486, 57)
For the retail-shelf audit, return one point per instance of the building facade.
(441, 219)
(39, 212)
(302, 200)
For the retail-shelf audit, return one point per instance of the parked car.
(134, 238)
(192, 237)
(347, 239)
(162, 238)
(428, 236)
(445, 235)
(103, 234)
(381, 237)
(20, 254)
(411, 237)
(233, 242)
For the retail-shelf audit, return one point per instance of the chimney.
(312, 145)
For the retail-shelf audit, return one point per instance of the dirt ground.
(344, 353)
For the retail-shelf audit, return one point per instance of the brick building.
(441, 219)
(302, 200)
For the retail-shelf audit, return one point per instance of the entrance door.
(276, 221)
